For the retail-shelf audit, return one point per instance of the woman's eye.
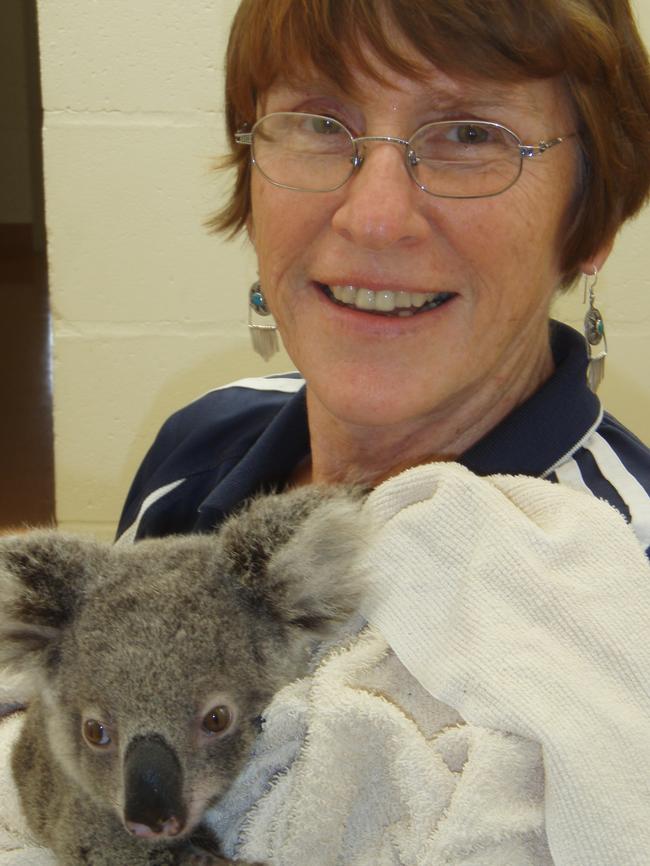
(218, 720)
(95, 733)
(325, 126)
(471, 134)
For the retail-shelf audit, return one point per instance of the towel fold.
(382, 773)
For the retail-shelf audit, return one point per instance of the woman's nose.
(383, 204)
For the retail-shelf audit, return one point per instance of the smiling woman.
(415, 207)
(419, 179)
(433, 383)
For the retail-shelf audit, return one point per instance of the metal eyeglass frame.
(526, 151)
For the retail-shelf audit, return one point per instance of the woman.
(418, 179)
(456, 360)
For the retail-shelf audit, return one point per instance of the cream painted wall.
(149, 311)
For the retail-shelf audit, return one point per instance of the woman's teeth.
(397, 303)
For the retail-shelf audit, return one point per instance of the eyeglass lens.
(448, 158)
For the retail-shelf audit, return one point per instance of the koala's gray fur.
(147, 639)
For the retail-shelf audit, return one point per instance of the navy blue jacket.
(248, 437)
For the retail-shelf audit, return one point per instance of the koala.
(151, 664)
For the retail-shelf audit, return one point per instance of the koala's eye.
(217, 720)
(95, 733)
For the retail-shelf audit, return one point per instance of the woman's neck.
(353, 453)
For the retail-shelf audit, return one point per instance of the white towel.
(526, 607)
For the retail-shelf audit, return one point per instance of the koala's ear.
(295, 554)
(43, 578)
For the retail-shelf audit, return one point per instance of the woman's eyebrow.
(479, 99)
(305, 89)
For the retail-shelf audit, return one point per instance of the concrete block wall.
(149, 311)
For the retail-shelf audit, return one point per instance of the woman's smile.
(352, 323)
(399, 303)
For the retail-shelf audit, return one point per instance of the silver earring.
(264, 337)
(595, 338)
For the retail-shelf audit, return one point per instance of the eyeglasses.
(448, 158)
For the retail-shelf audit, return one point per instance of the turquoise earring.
(264, 337)
(594, 329)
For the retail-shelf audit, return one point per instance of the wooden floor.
(26, 442)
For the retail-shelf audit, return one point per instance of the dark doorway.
(26, 440)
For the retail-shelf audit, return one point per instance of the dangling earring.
(594, 327)
(264, 337)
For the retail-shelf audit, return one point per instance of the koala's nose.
(153, 780)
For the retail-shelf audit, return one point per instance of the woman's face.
(495, 258)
